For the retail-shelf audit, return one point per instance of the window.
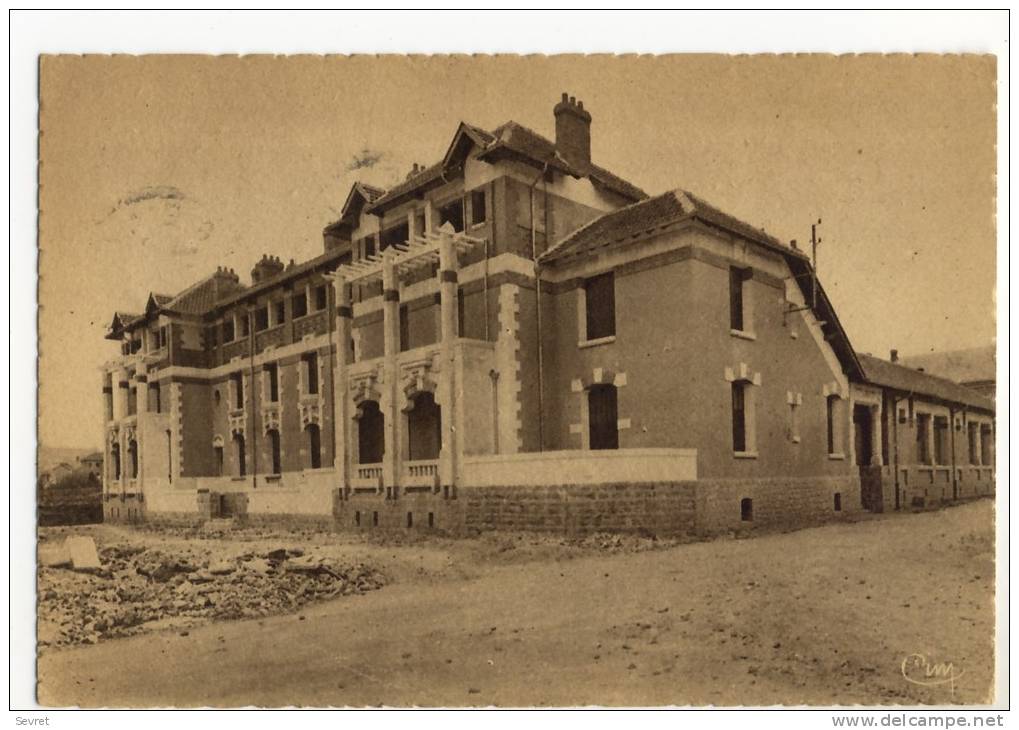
(155, 398)
(280, 312)
(986, 444)
(834, 431)
(240, 465)
(739, 417)
(404, 328)
(237, 380)
(369, 246)
(272, 374)
(410, 519)
(395, 236)
(161, 338)
(370, 433)
(600, 306)
(736, 304)
(478, 207)
(314, 446)
(838, 501)
(115, 456)
(603, 417)
(453, 213)
(245, 325)
(940, 440)
(310, 362)
(217, 452)
(746, 510)
(274, 450)
(132, 401)
(132, 451)
(973, 437)
(923, 424)
(262, 318)
(321, 298)
(300, 304)
(424, 428)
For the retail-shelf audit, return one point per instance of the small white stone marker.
(83, 553)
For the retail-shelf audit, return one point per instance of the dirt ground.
(827, 615)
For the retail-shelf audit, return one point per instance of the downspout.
(333, 364)
(537, 305)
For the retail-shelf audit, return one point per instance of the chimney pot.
(573, 133)
(895, 355)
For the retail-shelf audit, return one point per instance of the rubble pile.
(136, 589)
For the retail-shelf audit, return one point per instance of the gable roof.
(507, 140)
(970, 365)
(912, 381)
(652, 214)
(649, 214)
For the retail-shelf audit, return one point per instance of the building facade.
(513, 337)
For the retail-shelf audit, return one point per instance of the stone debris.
(134, 589)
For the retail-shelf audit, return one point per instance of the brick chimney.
(266, 268)
(895, 355)
(573, 132)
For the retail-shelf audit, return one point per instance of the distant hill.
(50, 456)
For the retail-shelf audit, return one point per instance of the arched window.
(370, 433)
(603, 417)
(424, 428)
(115, 457)
(274, 451)
(314, 446)
(240, 466)
(132, 450)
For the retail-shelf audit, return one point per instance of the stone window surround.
(743, 373)
(839, 424)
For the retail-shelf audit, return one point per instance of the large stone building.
(512, 337)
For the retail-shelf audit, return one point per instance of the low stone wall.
(442, 511)
(776, 502)
(651, 508)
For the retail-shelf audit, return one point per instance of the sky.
(154, 170)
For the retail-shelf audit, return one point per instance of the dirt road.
(819, 616)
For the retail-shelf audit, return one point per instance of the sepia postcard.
(517, 381)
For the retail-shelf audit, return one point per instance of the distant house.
(93, 463)
(973, 367)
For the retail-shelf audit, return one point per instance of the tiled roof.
(161, 299)
(529, 144)
(202, 297)
(971, 365)
(291, 272)
(650, 214)
(515, 139)
(909, 380)
(370, 192)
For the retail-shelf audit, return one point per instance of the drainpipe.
(537, 304)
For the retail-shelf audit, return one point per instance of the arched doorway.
(370, 433)
(424, 428)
